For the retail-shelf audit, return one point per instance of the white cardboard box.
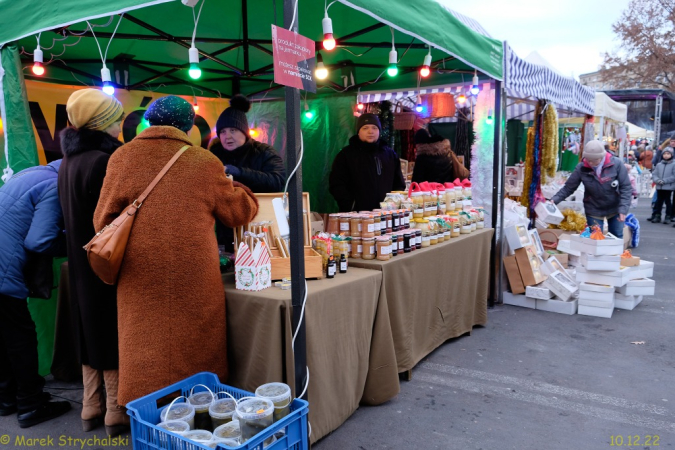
(573, 261)
(596, 312)
(644, 270)
(595, 293)
(519, 300)
(643, 286)
(616, 278)
(517, 236)
(560, 285)
(604, 263)
(611, 245)
(558, 306)
(565, 245)
(548, 213)
(597, 303)
(628, 302)
(552, 265)
(538, 292)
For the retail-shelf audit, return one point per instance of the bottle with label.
(331, 268)
(343, 264)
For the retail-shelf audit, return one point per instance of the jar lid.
(417, 194)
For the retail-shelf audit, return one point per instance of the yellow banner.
(48, 110)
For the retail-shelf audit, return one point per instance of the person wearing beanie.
(608, 191)
(252, 163)
(87, 145)
(365, 170)
(435, 161)
(663, 177)
(170, 288)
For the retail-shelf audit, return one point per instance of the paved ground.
(528, 380)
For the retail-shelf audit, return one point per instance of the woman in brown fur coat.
(435, 161)
(170, 296)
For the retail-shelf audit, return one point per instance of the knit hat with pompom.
(235, 115)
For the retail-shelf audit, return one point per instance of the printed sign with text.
(293, 59)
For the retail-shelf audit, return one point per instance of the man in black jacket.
(252, 163)
(365, 170)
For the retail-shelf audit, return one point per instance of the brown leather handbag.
(106, 250)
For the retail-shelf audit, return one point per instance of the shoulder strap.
(139, 201)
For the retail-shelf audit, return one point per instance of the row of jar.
(427, 204)
(385, 247)
(369, 224)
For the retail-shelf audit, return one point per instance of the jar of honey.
(355, 228)
(433, 239)
(465, 223)
(345, 225)
(333, 224)
(368, 248)
(442, 207)
(367, 226)
(429, 204)
(426, 239)
(357, 248)
(455, 227)
(383, 245)
(341, 247)
(377, 220)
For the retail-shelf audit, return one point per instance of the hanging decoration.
(483, 151)
(532, 185)
(550, 143)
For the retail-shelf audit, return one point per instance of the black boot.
(7, 408)
(667, 220)
(656, 218)
(47, 411)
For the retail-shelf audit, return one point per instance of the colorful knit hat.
(171, 111)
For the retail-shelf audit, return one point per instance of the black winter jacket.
(606, 196)
(94, 303)
(436, 162)
(262, 169)
(363, 174)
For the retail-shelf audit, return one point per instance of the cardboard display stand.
(530, 265)
(513, 274)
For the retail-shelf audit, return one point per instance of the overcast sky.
(571, 35)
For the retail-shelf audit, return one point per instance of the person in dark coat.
(254, 164)
(30, 221)
(365, 170)
(435, 161)
(608, 191)
(87, 146)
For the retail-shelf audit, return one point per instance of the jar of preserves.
(465, 223)
(355, 228)
(401, 243)
(367, 226)
(440, 234)
(383, 245)
(394, 245)
(433, 238)
(408, 244)
(429, 204)
(450, 199)
(418, 205)
(446, 232)
(410, 217)
(390, 221)
(474, 221)
(357, 248)
(442, 207)
(341, 247)
(422, 224)
(368, 248)
(455, 227)
(396, 216)
(345, 225)
(333, 224)
(426, 239)
(481, 219)
(378, 224)
(418, 239)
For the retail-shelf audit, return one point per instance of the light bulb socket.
(393, 57)
(427, 60)
(105, 74)
(38, 55)
(327, 25)
(475, 79)
(193, 55)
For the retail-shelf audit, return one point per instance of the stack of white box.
(640, 284)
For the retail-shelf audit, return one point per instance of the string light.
(108, 88)
(38, 68)
(425, 71)
(392, 70)
(475, 89)
(489, 118)
(254, 133)
(195, 106)
(419, 108)
(321, 71)
(461, 99)
(195, 72)
(328, 39)
(309, 115)
(360, 106)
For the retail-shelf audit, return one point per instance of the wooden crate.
(281, 267)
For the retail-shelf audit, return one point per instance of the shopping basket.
(290, 432)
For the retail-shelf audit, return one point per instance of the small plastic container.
(230, 430)
(179, 427)
(199, 436)
(255, 414)
(202, 401)
(179, 411)
(221, 411)
(280, 395)
(215, 442)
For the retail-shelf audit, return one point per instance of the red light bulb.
(38, 69)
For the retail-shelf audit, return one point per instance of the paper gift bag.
(263, 267)
(245, 269)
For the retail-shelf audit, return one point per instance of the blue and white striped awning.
(525, 80)
(403, 96)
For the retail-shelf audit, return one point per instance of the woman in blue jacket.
(30, 221)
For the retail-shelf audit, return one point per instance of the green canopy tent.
(149, 51)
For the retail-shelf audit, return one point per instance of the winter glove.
(660, 182)
(232, 170)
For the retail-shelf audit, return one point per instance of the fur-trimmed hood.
(79, 140)
(441, 148)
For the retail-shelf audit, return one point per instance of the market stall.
(147, 49)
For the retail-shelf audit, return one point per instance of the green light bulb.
(392, 70)
(195, 72)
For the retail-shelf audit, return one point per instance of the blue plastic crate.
(144, 414)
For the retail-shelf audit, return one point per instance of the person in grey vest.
(663, 177)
